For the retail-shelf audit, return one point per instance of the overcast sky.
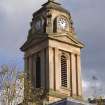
(89, 22)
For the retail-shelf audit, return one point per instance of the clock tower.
(52, 54)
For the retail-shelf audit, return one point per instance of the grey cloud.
(15, 17)
(94, 88)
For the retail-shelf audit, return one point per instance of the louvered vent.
(63, 71)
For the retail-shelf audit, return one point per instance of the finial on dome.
(51, 0)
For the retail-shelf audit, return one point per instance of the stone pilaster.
(30, 67)
(49, 25)
(76, 68)
(26, 72)
(79, 76)
(57, 77)
(47, 68)
(34, 70)
(51, 68)
(26, 64)
(70, 74)
(73, 74)
(42, 69)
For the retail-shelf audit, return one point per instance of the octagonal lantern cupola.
(52, 18)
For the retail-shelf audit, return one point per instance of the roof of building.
(67, 101)
(93, 101)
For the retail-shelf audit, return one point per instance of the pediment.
(30, 43)
(69, 40)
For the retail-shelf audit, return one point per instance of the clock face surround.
(62, 23)
(39, 24)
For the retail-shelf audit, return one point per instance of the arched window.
(38, 72)
(63, 71)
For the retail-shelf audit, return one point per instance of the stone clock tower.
(52, 53)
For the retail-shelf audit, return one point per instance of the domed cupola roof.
(51, 4)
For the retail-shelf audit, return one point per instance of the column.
(70, 75)
(57, 74)
(79, 75)
(34, 70)
(73, 74)
(76, 65)
(42, 69)
(47, 68)
(26, 65)
(28, 76)
(30, 67)
(26, 72)
(51, 69)
(68, 71)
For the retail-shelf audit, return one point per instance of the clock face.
(62, 23)
(39, 24)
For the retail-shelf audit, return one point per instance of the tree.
(33, 95)
(9, 82)
(12, 85)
